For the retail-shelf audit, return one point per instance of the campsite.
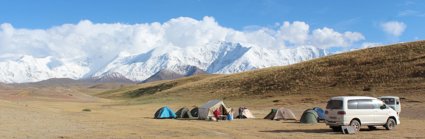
(55, 109)
(119, 120)
(212, 69)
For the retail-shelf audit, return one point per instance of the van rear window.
(334, 104)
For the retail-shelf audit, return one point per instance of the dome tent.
(320, 112)
(164, 113)
(183, 113)
(309, 117)
(281, 114)
(194, 112)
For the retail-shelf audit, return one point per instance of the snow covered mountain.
(218, 57)
(32, 69)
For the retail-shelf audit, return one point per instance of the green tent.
(309, 116)
(183, 113)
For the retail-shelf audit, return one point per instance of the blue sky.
(364, 16)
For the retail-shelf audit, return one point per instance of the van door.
(381, 115)
(397, 106)
(332, 109)
(364, 111)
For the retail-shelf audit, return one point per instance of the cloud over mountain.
(93, 46)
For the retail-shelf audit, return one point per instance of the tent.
(194, 112)
(246, 113)
(206, 110)
(281, 114)
(164, 113)
(320, 112)
(309, 117)
(183, 113)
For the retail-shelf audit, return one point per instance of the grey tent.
(206, 110)
(183, 113)
(309, 116)
(194, 112)
(281, 114)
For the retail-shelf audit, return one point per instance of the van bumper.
(341, 122)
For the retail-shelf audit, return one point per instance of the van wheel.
(356, 124)
(336, 128)
(390, 124)
(372, 127)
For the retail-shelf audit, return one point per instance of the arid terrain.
(121, 111)
(115, 119)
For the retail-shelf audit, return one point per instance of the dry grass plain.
(49, 118)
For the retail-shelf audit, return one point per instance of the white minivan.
(359, 111)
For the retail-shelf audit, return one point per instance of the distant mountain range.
(157, 64)
(397, 69)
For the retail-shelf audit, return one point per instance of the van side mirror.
(398, 103)
(383, 106)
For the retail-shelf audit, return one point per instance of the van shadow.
(328, 131)
(301, 130)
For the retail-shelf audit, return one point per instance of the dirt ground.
(35, 118)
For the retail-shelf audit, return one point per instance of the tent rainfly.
(309, 117)
(281, 114)
(320, 112)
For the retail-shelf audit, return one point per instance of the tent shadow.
(187, 119)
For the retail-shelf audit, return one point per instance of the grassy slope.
(392, 69)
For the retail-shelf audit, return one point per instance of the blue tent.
(164, 113)
(320, 112)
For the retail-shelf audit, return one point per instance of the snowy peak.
(110, 77)
(167, 74)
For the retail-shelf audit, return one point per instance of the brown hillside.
(398, 68)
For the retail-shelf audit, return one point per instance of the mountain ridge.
(397, 69)
(213, 58)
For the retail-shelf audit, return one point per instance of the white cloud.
(99, 43)
(393, 28)
(298, 34)
(295, 33)
(370, 45)
(327, 38)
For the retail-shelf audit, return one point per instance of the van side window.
(352, 104)
(361, 104)
(365, 104)
(377, 104)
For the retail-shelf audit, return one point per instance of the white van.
(359, 111)
(393, 102)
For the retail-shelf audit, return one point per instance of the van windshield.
(334, 104)
(388, 101)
